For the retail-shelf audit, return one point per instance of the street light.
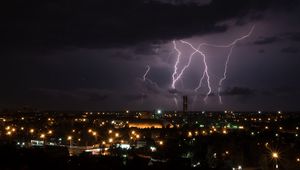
(42, 136)
(96, 136)
(8, 133)
(110, 140)
(275, 155)
(70, 139)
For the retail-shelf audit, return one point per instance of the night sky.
(92, 54)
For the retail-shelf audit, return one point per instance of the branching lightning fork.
(178, 74)
(231, 46)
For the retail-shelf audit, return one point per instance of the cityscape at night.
(150, 84)
(157, 139)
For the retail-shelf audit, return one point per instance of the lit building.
(145, 125)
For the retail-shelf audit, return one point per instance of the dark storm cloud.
(261, 51)
(72, 52)
(148, 87)
(174, 91)
(113, 23)
(124, 56)
(252, 16)
(266, 40)
(239, 91)
(146, 49)
(290, 50)
(282, 91)
(293, 36)
(181, 2)
(97, 97)
(136, 53)
(134, 97)
(93, 95)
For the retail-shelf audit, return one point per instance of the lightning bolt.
(175, 71)
(178, 75)
(146, 73)
(231, 46)
(147, 80)
(205, 73)
(224, 75)
(174, 78)
(144, 80)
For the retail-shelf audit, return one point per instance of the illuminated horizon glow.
(176, 76)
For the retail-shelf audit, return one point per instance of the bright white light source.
(152, 148)
(124, 146)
